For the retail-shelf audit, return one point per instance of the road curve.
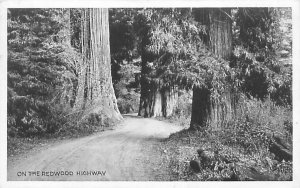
(118, 154)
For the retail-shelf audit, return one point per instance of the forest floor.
(232, 162)
(129, 152)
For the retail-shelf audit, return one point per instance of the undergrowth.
(244, 142)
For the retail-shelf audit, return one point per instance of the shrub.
(40, 73)
(129, 103)
(255, 123)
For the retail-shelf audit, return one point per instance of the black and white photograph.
(149, 94)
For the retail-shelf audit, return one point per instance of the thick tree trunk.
(200, 107)
(156, 101)
(95, 94)
(220, 32)
(169, 102)
(205, 110)
(151, 99)
(148, 90)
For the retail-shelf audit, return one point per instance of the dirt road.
(120, 154)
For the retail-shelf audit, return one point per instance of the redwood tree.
(95, 94)
(156, 99)
(158, 95)
(205, 108)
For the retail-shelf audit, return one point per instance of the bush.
(255, 123)
(126, 85)
(40, 71)
(129, 102)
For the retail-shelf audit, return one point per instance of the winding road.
(120, 154)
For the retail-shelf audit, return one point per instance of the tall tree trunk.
(145, 103)
(148, 88)
(151, 98)
(67, 25)
(155, 100)
(205, 110)
(169, 100)
(220, 32)
(95, 93)
(200, 107)
(66, 96)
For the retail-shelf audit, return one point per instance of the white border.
(4, 4)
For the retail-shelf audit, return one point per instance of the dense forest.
(225, 74)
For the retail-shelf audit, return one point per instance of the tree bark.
(169, 102)
(151, 99)
(220, 32)
(67, 25)
(67, 92)
(206, 111)
(156, 101)
(200, 107)
(95, 93)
